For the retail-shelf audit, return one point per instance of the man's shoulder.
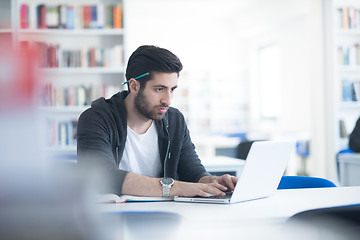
(174, 115)
(102, 102)
(104, 107)
(174, 112)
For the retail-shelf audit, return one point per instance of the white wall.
(202, 34)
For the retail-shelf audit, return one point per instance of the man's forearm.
(139, 185)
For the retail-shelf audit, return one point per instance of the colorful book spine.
(349, 17)
(79, 17)
(93, 17)
(74, 95)
(24, 16)
(70, 17)
(41, 16)
(63, 16)
(346, 90)
(356, 86)
(118, 16)
(109, 16)
(86, 16)
(100, 16)
(62, 133)
(52, 17)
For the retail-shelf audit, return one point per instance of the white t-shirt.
(141, 153)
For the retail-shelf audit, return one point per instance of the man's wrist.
(166, 183)
(176, 189)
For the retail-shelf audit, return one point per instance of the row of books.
(349, 18)
(62, 133)
(349, 55)
(350, 90)
(53, 56)
(66, 16)
(74, 95)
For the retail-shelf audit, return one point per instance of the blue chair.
(291, 182)
(346, 150)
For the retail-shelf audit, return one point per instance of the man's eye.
(159, 89)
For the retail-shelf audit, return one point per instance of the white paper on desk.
(113, 198)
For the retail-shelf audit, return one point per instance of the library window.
(269, 81)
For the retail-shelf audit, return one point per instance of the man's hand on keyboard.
(227, 181)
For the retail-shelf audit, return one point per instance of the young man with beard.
(140, 143)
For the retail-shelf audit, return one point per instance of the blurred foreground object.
(17, 79)
(37, 199)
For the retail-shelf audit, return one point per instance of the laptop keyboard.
(228, 195)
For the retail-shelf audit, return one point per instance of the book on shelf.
(62, 133)
(86, 16)
(113, 198)
(52, 16)
(109, 16)
(70, 17)
(356, 86)
(74, 95)
(349, 17)
(49, 56)
(24, 19)
(62, 18)
(100, 16)
(118, 16)
(350, 90)
(67, 16)
(349, 55)
(342, 129)
(94, 17)
(346, 90)
(345, 18)
(41, 16)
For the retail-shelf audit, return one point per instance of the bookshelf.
(346, 68)
(6, 31)
(81, 57)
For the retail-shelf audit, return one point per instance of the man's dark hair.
(150, 59)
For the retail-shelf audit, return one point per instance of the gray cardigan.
(101, 137)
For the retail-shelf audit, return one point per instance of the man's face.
(153, 101)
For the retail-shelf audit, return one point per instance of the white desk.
(258, 219)
(280, 206)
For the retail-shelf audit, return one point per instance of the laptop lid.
(261, 175)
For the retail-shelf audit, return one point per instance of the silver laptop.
(261, 175)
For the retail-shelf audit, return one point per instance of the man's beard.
(142, 106)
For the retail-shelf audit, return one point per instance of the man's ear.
(134, 85)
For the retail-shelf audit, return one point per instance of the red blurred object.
(18, 81)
